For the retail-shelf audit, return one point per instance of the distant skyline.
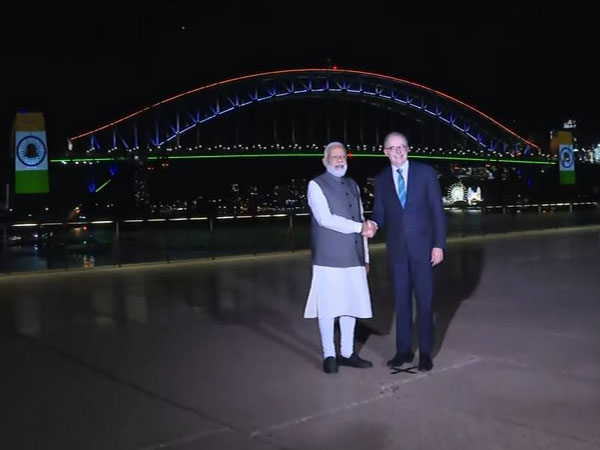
(529, 67)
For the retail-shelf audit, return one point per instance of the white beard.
(337, 171)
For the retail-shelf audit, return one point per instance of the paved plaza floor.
(216, 355)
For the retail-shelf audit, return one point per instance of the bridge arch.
(165, 122)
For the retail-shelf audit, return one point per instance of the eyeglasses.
(342, 157)
(398, 148)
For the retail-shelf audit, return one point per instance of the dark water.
(94, 245)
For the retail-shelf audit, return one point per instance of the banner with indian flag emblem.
(566, 158)
(31, 154)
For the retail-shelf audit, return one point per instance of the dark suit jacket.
(411, 232)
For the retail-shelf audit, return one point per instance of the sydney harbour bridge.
(289, 111)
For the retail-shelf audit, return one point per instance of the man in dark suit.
(408, 203)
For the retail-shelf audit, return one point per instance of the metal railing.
(35, 246)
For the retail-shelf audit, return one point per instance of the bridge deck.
(215, 354)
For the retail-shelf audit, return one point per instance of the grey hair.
(391, 135)
(333, 145)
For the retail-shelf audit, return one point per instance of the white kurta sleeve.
(319, 208)
(365, 240)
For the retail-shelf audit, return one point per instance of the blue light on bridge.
(237, 92)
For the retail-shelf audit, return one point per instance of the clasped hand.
(369, 229)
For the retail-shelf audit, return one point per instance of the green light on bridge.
(305, 155)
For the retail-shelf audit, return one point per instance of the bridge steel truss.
(164, 123)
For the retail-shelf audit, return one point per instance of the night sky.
(531, 67)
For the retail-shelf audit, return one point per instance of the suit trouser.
(409, 275)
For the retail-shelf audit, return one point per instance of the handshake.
(369, 229)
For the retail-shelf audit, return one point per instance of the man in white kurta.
(339, 287)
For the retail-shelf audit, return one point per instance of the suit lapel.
(412, 176)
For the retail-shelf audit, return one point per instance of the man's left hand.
(437, 256)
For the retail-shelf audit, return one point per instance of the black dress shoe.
(330, 365)
(400, 359)
(425, 363)
(354, 361)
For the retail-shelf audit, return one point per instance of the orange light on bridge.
(308, 70)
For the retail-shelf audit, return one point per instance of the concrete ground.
(216, 355)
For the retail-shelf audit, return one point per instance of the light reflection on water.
(94, 246)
